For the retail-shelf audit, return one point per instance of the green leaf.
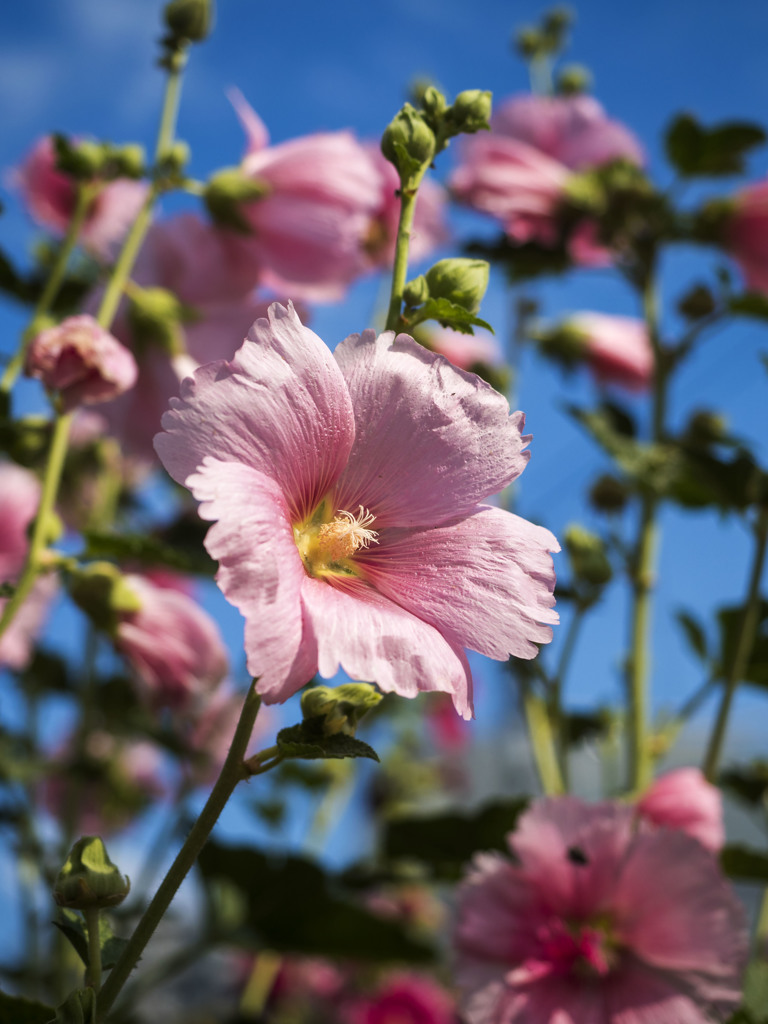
(743, 864)
(147, 551)
(694, 633)
(78, 1008)
(292, 905)
(523, 262)
(446, 841)
(581, 726)
(696, 151)
(447, 314)
(70, 923)
(307, 741)
(15, 1010)
(755, 998)
(751, 304)
(748, 782)
(729, 621)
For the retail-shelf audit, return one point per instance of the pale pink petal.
(683, 799)
(19, 498)
(256, 134)
(431, 440)
(376, 641)
(488, 577)
(260, 570)
(638, 994)
(280, 407)
(563, 1000)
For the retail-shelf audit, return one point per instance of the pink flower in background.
(81, 361)
(597, 922)
(465, 350)
(173, 646)
(209, 728)
(19, 498)
(683, 799)
(746, 234)
(403, 999)
(616, 348)
(518, 173)
(346, 490)
(50, 197)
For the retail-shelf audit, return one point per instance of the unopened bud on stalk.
(574, 80)
(608, 494)
(586, 552)
(130, 160)
(528, 42)
(189, 20)
(102, 592)
(416, 291)
(81, 160)
(156, 317)
(224, 194)
(408, 142)
(433, 103)
(89, 879)
(462, 281)
(470, 111)
(340, 707)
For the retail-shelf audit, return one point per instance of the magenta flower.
(403, 999)
(595, 921)
(683, 799)
(173, 646)
(50, 197)
(346, 492)
(616, 348)
(82, 362)
(746, 234)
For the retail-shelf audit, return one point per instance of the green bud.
(224, 194)
(558, 19)
(470, 112)
(156, 317)
(89, 878)
(340, 707)
(176, 158)
(460, 280)
(573, 80)
(586, 552)
(706, 428)
(609, 494)
(697, 303)
(101, 591)
(563, 342)
(189, 20)
(408, 142)
(711, 221)
(416, 291)
(434, 103)
(129, 161)
(528, 42)
(80, 160)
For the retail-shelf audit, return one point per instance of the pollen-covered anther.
(346, 534)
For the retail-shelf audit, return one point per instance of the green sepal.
(447, 314)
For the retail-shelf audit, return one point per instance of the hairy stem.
(402, 244)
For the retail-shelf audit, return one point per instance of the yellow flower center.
(328, 540)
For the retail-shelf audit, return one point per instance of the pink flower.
(403, 999)
(448, 733)
(311, 229)
(346, 490)
(465, 350)
(518, 173)
(597, 922)
(82, 362)
(746, 234)
(617, 348)
(683, 799)
(172, 645)
(51, 196)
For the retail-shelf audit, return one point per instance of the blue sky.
(87, 67)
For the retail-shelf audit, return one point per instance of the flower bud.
(573, 80)
(189, 20)
(586, 552)
(706, 428)
(340, 707)
(557, 20)
(433, 103)
(528, 42)
(102, 592)
(89, 878)
(82, 160)
(416, 291)
(462, 281)
(224, 194)
(470, 111)
(156, 316)
(609, 494)
(130, 161)
(408, 142)
(82, 362)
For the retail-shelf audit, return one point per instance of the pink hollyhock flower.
(518, 173)
(51, 197)
(346, 490)
(172, 645)
(595, 921)
(312, 228)
(82, 362)
(449, 733)
(683, 799)
(403, 999)
(746, 234)
(465, 350)
(19, 499)
(617, 348)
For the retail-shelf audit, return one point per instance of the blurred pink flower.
(19, 498)
(465, 350)
(746, 234)
(597, 922)
(683, 799)
(403, 999)
(616, 348)
(173, 646)
(50, 197)
(346, 490)
(449, 733)
(81, 361)
(209, 728)
(518, 173)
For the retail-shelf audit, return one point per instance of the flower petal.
(431, 440)
(374, 640)
(280, 407)
(260, 571)
(487, 577)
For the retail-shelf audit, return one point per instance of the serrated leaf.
(147, 551)
(70, 924)
(751, 304)
(291, 905)
(696, 151)
(448, 314)
(15, 1010)
(744, 864)
(694, 633)
(446, 841)
(306, 741)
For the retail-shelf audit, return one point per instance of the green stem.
(556, 685)
(232, 772)
(744, 642)
(400, 269)
(542, 743)
(93, 974)
(761, 928)
(85, 196)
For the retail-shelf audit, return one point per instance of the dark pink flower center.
(581, 948)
